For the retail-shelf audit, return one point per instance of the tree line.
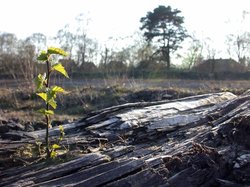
(161, 35)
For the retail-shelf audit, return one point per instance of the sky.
(120, 18)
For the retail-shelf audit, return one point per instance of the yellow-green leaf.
(43, 56)
(51, 94)
(57, 51)
(46, 112)
(49, 112)
(61, 128)
(48, 99)
(56, 146)
(43, 96)
(57, 89)
(53, 154)
(52, 103)
(39, 81)
(59, 67)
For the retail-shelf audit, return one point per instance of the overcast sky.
(207, 18)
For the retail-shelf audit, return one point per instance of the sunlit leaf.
(48, 99)
(46, 112)
(39, 81)
(57, 89)
(43, 96)
(61, 132)
(59, 67)
(43, 56)
(57, 51)
(56, 146)
(52, 103)
(53, 154)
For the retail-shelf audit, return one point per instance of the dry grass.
(88, 95)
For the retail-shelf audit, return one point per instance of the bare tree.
(39, 40)
(26, 59)
(194, 53)
(66, 39)
(239, 46)
(239, 42)
(8, 54)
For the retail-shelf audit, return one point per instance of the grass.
(85, 96)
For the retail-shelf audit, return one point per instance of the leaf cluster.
(48, 94)
(45, 55)
(56, 146)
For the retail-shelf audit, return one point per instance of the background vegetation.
(103, 74)
(152, 53)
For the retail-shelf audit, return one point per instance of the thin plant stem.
(47, 116)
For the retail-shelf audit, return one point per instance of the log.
(195, 141)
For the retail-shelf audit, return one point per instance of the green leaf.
(61, 132)
(43, 56)
(43, 96)
(39, 81)
(53, 154)
(57, 51)
(61, 128)
(48, 98)
(59, 67)
(57, 89)
(52, 103)
(46, 112)
(51, 94)
(56, 146)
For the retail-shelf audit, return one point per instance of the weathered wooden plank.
(142, 151)
(227, 183)
(118, 151)
(165, 117)
(113, 174)
(68, 128)
(157, 112)
(136, 117)
(84, 174)
(103, 124)
(59, 170)
(143, 178)
(91, 159)
(18, 171)
(180, 178)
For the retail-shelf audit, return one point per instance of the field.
(17, 99)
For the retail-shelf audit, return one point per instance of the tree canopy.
(165, 26)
